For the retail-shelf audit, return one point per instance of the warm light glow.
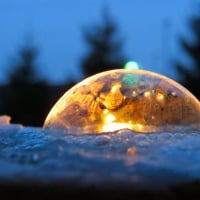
(109, 119)
(132, 151)
(147, 94)
(160, 97)
(138, 127)
(138, 100)
(115, 126)
(115, 88)
(134, 94)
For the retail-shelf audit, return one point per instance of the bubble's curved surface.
(138, 100)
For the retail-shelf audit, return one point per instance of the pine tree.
(190, 76)
(24, 71)
(25, 94)
(104, 47)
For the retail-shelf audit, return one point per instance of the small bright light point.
(109, 118)
(160, 97)
(132, 65)
(115, 88)
(147, 94)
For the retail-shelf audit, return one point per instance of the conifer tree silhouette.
(105, 47)
(190, 75)
(25, 96)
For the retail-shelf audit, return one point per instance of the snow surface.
(123, 159)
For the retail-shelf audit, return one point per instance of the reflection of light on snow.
(4, 120)
(132, 150)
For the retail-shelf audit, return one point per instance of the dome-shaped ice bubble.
(138, 100)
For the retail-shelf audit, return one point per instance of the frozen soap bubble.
(138, 100)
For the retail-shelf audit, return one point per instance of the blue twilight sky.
(149, 29)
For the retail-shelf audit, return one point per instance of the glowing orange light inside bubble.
(138, 100)
(160, 97)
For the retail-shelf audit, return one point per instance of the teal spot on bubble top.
(130, 79)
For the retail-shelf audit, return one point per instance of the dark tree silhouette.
(104, 47)
(24, 72)
(25, 94)
(190, 76)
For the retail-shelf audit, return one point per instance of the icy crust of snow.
(125, 159)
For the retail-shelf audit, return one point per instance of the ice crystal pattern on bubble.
(138, 100)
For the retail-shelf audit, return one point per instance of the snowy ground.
(124, 160)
